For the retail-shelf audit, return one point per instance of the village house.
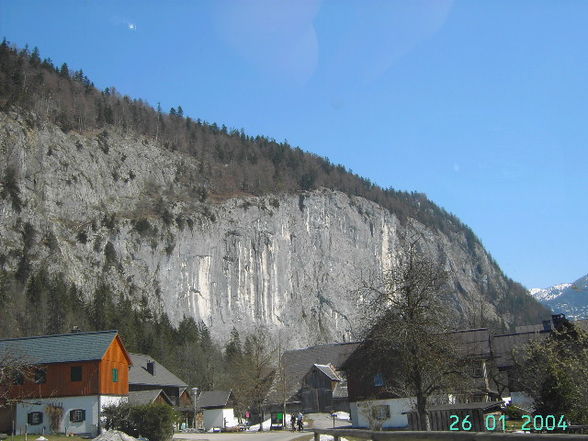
(151, 382)
(490, 359)
(505, 346)
(371, 398)
(73, 376)
(312, 380)
(216, 410)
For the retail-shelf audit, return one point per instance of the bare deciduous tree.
(14, 368)
(410, 328)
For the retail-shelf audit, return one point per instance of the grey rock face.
(287, 262)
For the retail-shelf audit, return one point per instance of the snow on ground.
(343, 416)
(330, 438)
(266, 425)
(114, 435)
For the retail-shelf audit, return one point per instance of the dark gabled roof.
(328, 371)
(298, 362)
(472, 343)
(147, 396)
(162, 377)
(504, 344)
(59, 348)
(213, 398)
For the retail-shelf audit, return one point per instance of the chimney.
(151, 367)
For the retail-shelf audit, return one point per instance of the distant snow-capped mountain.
(570, 299)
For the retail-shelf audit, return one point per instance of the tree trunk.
(425, 423)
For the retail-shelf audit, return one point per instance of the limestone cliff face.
(111, 206)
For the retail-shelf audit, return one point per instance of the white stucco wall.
(397, 406)
(522, 400)
(88, 403)
(217, 418)
(91, 404)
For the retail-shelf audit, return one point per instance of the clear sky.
(482, 105)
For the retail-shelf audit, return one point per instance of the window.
(40, 376)
(381, 412)
(34, 418)
(77, 415)
(378, 380)
(76, 373)
(477, 370)
(115, 375)
(18, 378)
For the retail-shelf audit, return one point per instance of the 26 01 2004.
(493, 422)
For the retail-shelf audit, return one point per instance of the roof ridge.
(325, 344)
(521, 333)
(467, 330)
(57, 335)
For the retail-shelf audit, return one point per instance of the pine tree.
(35, 57)
(64, 71)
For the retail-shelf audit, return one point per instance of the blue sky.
(482, 105)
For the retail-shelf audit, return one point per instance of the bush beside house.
(154, 421)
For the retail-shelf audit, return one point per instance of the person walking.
(293, 422)
(300, 421)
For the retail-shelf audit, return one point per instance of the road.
(276, 435)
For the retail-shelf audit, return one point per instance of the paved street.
(245, 436)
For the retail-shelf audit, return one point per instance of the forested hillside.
(211, 166)
(231, 162)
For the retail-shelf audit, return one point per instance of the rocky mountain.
(115, 207)
(570, 299)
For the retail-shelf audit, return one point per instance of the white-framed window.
(381, 412)
(77, 415)
(34, 418)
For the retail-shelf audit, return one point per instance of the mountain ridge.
(570, 299)
(121, 197)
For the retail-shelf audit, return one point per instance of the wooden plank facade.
(78, 373)
(115, 366)
(107, 376)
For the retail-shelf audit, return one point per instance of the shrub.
(10, 188)
(154, 421)
(82, 237)
(144, 228)
(109, 254)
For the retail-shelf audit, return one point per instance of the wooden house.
(312, 380)
(147, 376)
(73, 376)
(371, 376)
(324, 389)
